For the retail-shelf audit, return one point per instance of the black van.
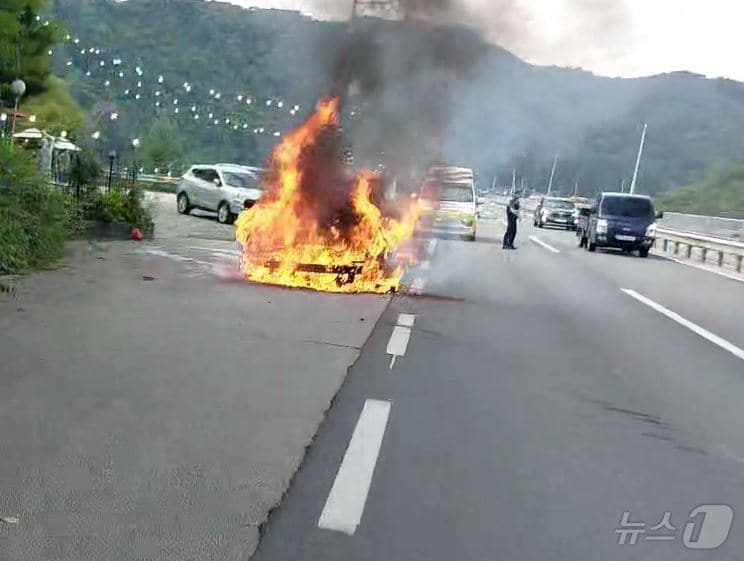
(622, 221)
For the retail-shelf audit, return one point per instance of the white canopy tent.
(29, 134)
(64, 144)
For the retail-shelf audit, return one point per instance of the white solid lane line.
(345, 504)
(538, 241)
(701, 267)
(695, 328)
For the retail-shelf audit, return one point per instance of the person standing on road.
(512, 214)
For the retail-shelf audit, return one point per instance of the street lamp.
(135, 163)
(112, 159)
(17, 88)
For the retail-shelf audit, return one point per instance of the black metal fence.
(80, 175)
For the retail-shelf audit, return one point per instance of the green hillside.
(503, 114)
(719, 194)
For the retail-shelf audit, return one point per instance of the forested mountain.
(168, 65)
(720, 193)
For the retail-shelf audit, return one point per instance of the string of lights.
(127, 83)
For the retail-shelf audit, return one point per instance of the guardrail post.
(720, 258)
(689, 252)
(739, 259)
(665, 244)
(705, 254)
(676, 248)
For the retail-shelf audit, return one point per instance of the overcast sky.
(611, 37)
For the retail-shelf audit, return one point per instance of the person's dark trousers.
(511, 232)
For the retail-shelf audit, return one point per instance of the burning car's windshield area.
(240, 180)
(456, 193)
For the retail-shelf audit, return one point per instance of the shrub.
(33, 215)
(122, 206)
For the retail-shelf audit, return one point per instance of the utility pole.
(552, 174)
(576, 187)
(638, 160)
(514, 181)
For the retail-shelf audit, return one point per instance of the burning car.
(319, 225)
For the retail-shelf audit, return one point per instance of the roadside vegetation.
(37, 217)
(35, 220)
(719, 194)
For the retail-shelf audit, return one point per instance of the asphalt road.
(533, 402)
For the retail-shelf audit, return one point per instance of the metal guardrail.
(151, 178)
(719, 227)
(690, 242)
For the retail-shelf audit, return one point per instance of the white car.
(226, 189)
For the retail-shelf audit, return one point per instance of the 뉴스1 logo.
(706, 527)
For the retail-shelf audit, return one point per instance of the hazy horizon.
(625, 38)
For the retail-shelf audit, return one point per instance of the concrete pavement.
(153, 405)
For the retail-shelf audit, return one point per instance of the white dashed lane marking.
(695, 328)
(406, 320)
(538, 241)
(398, 343)
(345, 504)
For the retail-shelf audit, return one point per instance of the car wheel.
(224, 216)
(643, 252)
(540, 224)
(183, 204)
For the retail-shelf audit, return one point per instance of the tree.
(163, 146)
(55, 109)
(24, 44)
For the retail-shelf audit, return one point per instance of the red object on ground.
(136, 234)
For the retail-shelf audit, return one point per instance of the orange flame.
(284, 240)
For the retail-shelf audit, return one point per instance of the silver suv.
(226, 189)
